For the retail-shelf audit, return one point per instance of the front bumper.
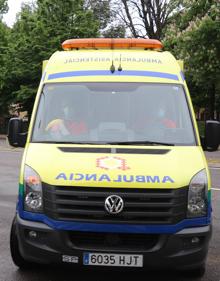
(176, 251)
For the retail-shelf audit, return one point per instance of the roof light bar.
(109, 43)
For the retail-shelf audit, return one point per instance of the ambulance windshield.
(102, 113)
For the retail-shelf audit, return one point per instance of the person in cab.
(71, 123)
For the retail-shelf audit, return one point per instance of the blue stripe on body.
(116, 73)
(113, 228)
(43, 76)
(182, 76)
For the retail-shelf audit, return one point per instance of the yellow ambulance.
(113, 171)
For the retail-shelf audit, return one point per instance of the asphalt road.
(9, 170)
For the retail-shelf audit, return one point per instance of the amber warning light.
(109, 43)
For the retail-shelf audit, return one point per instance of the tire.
(195, 272)
(17, 258)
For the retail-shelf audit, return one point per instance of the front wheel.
(17, 258)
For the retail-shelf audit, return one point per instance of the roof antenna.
(112, 68)
(120, 68)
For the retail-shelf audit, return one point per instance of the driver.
(70, 124)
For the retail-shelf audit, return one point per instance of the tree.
(4, 30)
(39, 31)
(3, 48)
(60, 20)
(195, 38)
(19, 59)
(109, 26)
(101, 10)
(3, 7)
(114, 31)
(146, 18)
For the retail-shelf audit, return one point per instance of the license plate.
(113, 259)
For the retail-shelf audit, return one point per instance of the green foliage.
(4, 30)
(39, 31)
(3, 7)
(191, 29)
(58, 20)
(104, 12)
(101, 10)
(195, 38)
(117, 31)
(20, 67)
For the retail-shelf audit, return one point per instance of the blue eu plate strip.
(86, 258)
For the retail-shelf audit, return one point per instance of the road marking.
(7, 204)
(218, 189)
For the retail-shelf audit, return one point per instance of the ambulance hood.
(115, 166)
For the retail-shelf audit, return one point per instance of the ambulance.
(113, 171)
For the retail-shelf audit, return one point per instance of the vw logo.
(114, 204)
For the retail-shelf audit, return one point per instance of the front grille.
(113, 241)
(141, 206)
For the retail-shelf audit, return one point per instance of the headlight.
(32, 190)
(197, 196)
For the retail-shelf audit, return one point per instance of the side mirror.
(211, 140)
(16, 136)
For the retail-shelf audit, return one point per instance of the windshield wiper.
(142, 143)
(70, 142)
(110, 143)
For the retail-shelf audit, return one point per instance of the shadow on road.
(66, 274)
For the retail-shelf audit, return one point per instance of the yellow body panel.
(55, 167)
(44, 65)
(181, 64)
(171, 170)
(85, 60)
